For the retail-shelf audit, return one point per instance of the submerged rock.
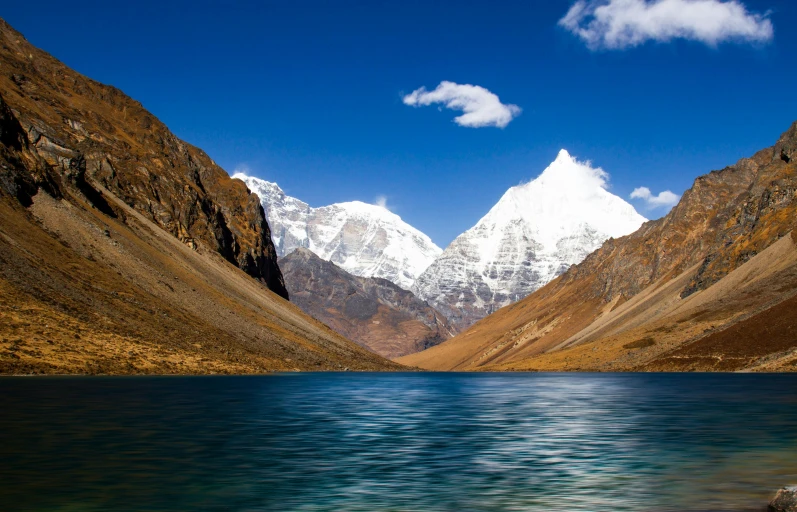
(785, 500)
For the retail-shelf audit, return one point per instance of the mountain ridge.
(371, 311)
(365, 240)
(135, 160)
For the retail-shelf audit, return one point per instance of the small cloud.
(664, 199)
(480, 106)
(620, 24)
(381, 201)
(242, 169)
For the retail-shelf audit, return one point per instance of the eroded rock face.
(67, 131)
(785, 500)
(373, 312)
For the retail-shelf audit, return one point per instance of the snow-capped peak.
(566, 195)
(366, 240)
(534, 233)
(566, 172)
(563, 155)
(371, 210)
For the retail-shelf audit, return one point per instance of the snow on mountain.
(364, 239)
(533, 234)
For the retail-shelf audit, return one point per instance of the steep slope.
(533, 234)
(77, 128)
(373, 312)
(744, 322)
(364, 239)
(669, 296)
(125, 250)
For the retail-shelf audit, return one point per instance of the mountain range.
(124, 250)
(711, 286)
(534, 233)
(365, 240)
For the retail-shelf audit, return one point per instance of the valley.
(383, 256)
(127, 250)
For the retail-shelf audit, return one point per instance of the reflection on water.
(398, 442)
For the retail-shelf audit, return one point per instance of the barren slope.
(373, 312)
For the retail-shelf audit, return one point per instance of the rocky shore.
(785, 500)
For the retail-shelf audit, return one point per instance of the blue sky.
(309, 94)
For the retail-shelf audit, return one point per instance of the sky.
(435, 109)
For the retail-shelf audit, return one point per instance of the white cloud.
(480, 106)
(664, 199)
(381, 201)
(242, 169)
(619, 24)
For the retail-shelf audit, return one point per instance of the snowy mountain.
(364, 239)
(533, 234)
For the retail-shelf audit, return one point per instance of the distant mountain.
(126, 250)
(534, 233)
(364, 239)
(711, 286)
(372, 312)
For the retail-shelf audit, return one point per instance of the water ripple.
(398, 442)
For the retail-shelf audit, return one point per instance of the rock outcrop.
(364, 239)
(785, 500)
(373, 312)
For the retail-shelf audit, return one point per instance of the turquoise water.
(398, 442)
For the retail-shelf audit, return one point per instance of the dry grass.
(138, 301)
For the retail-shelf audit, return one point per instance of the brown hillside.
(373, 312)
(80, 130)
(125, 250)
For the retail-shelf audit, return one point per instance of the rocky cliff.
(373, 312)
(68, 128)
(722, 256)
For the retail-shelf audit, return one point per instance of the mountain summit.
(533, 234)
(364, 239)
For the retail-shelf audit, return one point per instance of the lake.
(398, 442)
